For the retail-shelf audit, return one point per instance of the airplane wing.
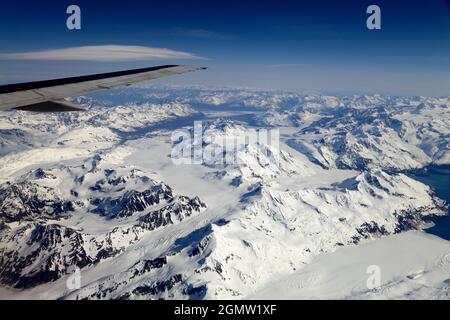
(49, 95)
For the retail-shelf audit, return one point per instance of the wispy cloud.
(200, 33)
(101, 53)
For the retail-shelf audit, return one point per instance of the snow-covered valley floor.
(412, 265)
(99, 192)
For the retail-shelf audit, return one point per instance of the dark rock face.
(158, 287)
(374, 181)
(132, 201)
(28, 201)
(36, 247)
(180, 209)
(406, 220)
(200, 247)
(147, 265)
(139, 201)
(143, 274)
(44, 255)
(369, 229)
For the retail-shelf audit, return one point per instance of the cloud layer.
(101, 53)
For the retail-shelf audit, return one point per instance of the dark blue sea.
(439, 179)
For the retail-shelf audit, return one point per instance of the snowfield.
(413, 265)
(98, 192)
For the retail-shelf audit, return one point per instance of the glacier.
(99, 191)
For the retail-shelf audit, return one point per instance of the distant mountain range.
(97, 190)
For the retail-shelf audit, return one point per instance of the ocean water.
(439, 180)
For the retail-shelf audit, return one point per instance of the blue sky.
(318, 46)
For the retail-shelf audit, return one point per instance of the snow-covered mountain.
(100, 127)
(99, 190)
(42, 215)
(393, 134)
